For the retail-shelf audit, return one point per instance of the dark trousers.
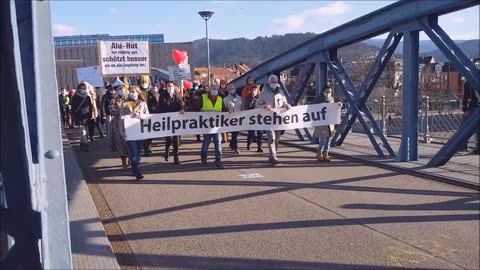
(234, 141)
(169, 141)
(147, 146)
(251, 137)
(91, 127)
(63, 117)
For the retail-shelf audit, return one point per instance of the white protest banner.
(90, 75)
(189, 123)
(180, 72)
(119, 58)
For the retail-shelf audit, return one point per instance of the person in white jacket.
(233, 103)
(273, 97)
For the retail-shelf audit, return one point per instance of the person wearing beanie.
(145, 86)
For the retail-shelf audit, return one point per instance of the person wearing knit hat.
(145, 86)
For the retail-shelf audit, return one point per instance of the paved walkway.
(90, 246)
(463, 167)
(299, 215)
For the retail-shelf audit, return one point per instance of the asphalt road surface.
(300, 215)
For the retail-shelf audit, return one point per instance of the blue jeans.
(234, 141)
(134, 150)
(324, 145)
(207, 139)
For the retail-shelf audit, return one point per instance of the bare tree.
(391, 79)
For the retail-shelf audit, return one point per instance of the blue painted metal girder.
(409, 143)
(467, 128)
(322, 77)
(368, 26)
(302, 81)
(345, 83)
(289, 97)
(448, 47)
(366, 88)
(364, 112)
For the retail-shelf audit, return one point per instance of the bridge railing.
(439, 117)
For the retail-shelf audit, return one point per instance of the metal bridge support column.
(322, 77)
(409, 145)
(320, 82)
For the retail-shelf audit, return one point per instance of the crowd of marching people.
(88, 108)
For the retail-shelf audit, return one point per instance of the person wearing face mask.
(153, 99)
(210, 102)
(233, 103)
(116, 107)
(83, 111)
(246, 90)
(106, 100)
(273, 98)
(145, 86)
(171, 102)
(135, 107)
(250, 105)
(324, 133)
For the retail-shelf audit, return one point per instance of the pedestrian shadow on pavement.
(471, 204)
(276, 187)
(288, 225)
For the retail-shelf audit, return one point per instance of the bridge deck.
(301, 214)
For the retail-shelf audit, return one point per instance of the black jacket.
(153, 103)
(81, 109)
(470, 99)
(167, 103)
(251, 102)
(106, 99)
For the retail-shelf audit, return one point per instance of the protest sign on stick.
(124, 58)
(90, 75)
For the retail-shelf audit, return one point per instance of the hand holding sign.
(179, 56)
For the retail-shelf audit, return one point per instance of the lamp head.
(206, 14)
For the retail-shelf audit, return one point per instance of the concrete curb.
(88, 252)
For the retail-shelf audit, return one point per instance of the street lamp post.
(206, 15)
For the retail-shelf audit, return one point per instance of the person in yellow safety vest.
(210, 102)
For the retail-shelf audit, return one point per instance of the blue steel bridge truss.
(403, 19)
